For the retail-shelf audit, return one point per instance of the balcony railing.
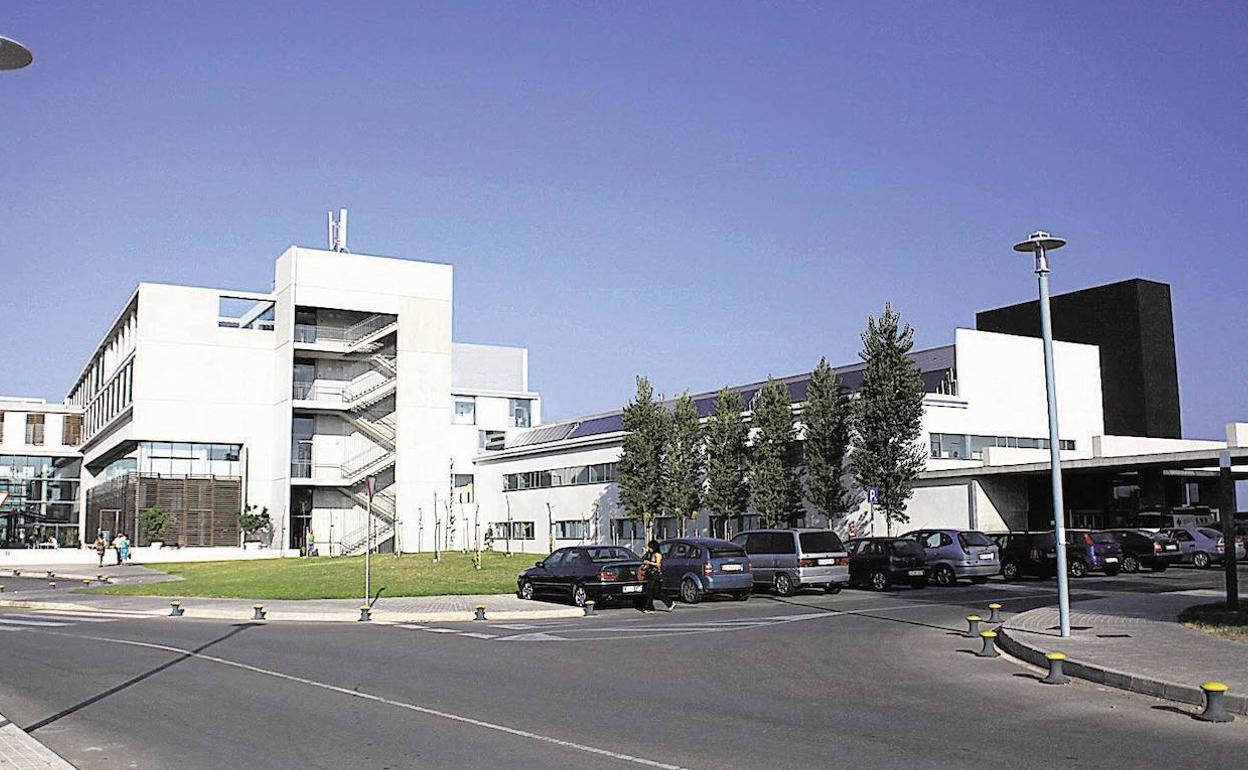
(301, 469)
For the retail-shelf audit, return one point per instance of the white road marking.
(16, 622)
(475, 635)
(441, 630)
(386, 701)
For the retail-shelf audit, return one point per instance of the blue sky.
(701, 193)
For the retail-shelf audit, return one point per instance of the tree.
(889, 415)
(156, 522)
(726, 437)
(640, 468)
(252, 519)
(774, 484)
(828, 420)
(682, 462)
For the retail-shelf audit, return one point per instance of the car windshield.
(726, 551)
(906, 548)
(820, 542)
(612, 553)
(973, 538)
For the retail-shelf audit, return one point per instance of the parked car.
(953, 554)
(1027, 554)
(1202, 546)
(600, 572)
(1141, 548)
(787, 560)
(1092, 551)
(696, 566)
(879, 562)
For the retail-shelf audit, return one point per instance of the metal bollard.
(366, 613)
(972, 626)
(102, 578)
(589, 608)
(989, 648)
(480, 612)
(17, 573)
(175, 609)
(257, 612)
(994, 613)
(52, 584)
(1215, 706)
(1055, 676)
(1, 588)
(86, 581)
(51, 574)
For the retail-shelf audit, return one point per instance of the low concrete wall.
(24, 556)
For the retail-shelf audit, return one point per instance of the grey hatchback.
(696, 566)
(789, 559)
(952, 554)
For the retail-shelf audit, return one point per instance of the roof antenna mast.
(337, 230)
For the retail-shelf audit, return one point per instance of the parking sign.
(873, 495)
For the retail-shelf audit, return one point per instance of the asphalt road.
(867, 679)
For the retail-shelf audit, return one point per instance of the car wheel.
(943, 575)
(1130, 564)
(742, 596)
(579, 596)
(832, 588)
(879, 580)
(784, 585)
(526, 590)
(1009, 570)
(690, 592)
(1201, 560)
(1078, 569)
(979, 580)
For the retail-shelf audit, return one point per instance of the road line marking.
(442, 630)
(47, 623)
(387, 701)
(475, 635)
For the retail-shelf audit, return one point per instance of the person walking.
(123, 550)
(100, 547)
(117, 547)
(652, 572)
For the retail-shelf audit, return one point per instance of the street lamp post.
(14, 55)
(1039, 244)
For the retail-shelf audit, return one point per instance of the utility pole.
(1226, 507)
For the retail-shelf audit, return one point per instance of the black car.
(1027, 554)
(881, 561)
(1141, 548)
(598, 572)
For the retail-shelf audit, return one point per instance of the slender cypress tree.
(889, 415)
(683, 462)
(827, 418)
(641, 461)
(726, 437)
(774, 485)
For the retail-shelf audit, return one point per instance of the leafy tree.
(889, 415)
(252, 519)
(828, 420)
(774, 484)
(156, 522)
(641, 460)
(683, 461)
(726, 438)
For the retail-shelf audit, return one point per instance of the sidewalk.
(1133, 642)
(18, 751)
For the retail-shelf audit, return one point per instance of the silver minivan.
(786, 560)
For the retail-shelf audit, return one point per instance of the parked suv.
(1141, 548)
(954, 553)
(881, 561)
(786, 560)
(1202, 546)
(1027, 554)
(696, 566)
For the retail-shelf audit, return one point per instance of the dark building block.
(1133, 324)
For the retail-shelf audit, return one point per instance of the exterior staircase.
(384, 511)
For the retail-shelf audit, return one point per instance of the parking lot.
(879, 679)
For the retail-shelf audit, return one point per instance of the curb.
(381, 617)
(1157, 688)
(19, 750)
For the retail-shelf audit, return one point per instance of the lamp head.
(1040, 240)
(14, 55)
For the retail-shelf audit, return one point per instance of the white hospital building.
(205, 401)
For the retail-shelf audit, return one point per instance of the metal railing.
(301, 469)
(346, 335)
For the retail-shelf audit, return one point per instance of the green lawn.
(340, 578)
(1217, 620)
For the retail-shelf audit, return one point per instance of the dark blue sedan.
(599, 572)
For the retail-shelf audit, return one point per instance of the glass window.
(611, 553)
(463, 487)
(34, 429)
(519, 411)
(465, 410)
(570, 530)
(820, 542)
(522, 530)
(242, 313)
(72, 431)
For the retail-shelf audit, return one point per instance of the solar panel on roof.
(543, 434)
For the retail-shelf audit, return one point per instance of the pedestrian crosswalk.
(32, 619)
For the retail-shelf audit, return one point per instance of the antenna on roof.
(337, 231)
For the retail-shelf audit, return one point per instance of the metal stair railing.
(354, 469)
(358, 545)
(384, 506)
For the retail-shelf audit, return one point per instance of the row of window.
(113, 398)
(526, 530)
(243, 313)
(519, 412)
(562, 477)
(189, 459)
(956, 446)
(71, 429)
